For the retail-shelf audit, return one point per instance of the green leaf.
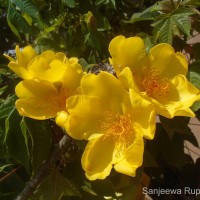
(191, 2)
(148, 14)
(8, 196)
(54, 187)
(2, 89)
(10, 186)
(147, 41)
(170, 150)
(28, 7)
(173, 125)
(16, 21)
(3, 151)
(7, 106)
(194, 73)
(40, 134)
(56, 23)
(166, 26)
(2, 168)
(103, 187)
(113, 3)
(182, 20)
(148, 159)
(46, 43)
(100, 2)
(10, 17)
(179, 158)
(194, 77)
(14, 139)
(69, 3)
(92, 40)
(163, 30)
(130, 191)
(5, 109)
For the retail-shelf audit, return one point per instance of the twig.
(9, 174)
(44, 170)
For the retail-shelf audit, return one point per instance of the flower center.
(58, 100)
(153, 83)
(116, 126)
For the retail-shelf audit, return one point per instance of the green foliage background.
(84, 29)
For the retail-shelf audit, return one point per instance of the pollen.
(154, 84)
(116, 126)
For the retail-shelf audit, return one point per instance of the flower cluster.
(113, 113)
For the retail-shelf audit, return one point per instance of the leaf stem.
(45, 169)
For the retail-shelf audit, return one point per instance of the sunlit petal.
(163, 58)
(97, 158)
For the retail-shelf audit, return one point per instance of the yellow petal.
(127, 79)
(61, 118)
(143, 116)
(21, 71)
(72, 77)
(163, 58)
(61, 56)
(133, 158)
(38, 99)
(85, 112)
(9, 58)
(48, 55)
(182, 95)
(127, 52)
(187, 95)
(97, 158)
(108, 89)
(27, 54)
(34, 87)
(24, 57)
(159, 107)
(43, 69)
(36, 108)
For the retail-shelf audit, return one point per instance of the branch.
(45, 169)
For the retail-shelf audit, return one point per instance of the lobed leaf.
(166, 26)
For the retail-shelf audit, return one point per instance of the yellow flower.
(159, 76)
(114, 121)
(49, 66)
(40, 99)
(19, 66)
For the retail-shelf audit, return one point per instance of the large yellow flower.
(48, 66)
(113, 120)
(159, 76)
(40, 99)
